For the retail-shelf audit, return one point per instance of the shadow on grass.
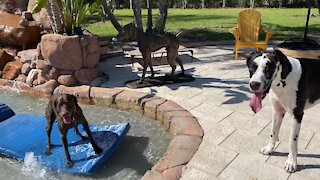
(288, 33)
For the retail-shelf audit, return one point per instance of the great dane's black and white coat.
(293, 86)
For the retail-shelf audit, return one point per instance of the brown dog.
(149, 43)
(68, 113)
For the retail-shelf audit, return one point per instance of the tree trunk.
(202, 4)
(149, 23)
(307, 22)
(110, 16)
(130, 1)
(223, 3)
(185, 3)
(252, 3)
(318, 5)
(163, 13)
(137, 13)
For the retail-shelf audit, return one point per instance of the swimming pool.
(145, 144)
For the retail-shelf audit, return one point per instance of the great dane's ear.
(284, 62)
(251, 57)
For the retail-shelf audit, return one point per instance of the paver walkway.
(233, 134)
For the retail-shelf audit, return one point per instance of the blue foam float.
(24, 133)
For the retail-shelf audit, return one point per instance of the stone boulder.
(86, 75)
(26, 68)
(32, 76)
(21, 78)
(11, 33)
(91, 60)
(43, 65)
(27, 56)
(93, 43)
(4, 58)
(42, 77)
(47, 87)
(54, 73)
(12, 5)
(12, 70)
(91, 50)
(67, 80)
(62, 52)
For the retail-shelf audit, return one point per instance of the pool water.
(145, 143)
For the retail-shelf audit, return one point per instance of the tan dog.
(149, 43)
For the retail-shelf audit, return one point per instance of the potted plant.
(67, 16)
(72, 55)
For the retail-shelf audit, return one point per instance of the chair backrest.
(249, 22)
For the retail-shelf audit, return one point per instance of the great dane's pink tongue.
(255, 102)
(67, 119)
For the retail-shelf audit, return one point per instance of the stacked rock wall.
(59, 60)
(18, 31)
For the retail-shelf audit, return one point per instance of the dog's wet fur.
(65, 109)
(293, 86)
(149, 43)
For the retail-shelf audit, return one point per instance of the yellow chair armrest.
(269, 34)
(235, 32)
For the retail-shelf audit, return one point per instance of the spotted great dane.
(293, 86)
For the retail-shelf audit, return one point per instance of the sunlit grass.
(215, 23)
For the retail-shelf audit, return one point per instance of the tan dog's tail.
(186, 31)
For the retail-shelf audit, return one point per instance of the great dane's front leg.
(277, 118)
(291, 163)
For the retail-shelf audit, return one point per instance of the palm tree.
(110, 16)
(163, 13)
(53, 10)
(149, 22)
(66, 15)
(137, 13)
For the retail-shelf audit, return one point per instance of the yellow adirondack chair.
(246, 33)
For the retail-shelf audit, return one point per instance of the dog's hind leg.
(50, 119)
(291, 163)
(171, 56)
(76, 130)
(277, 118)
(151, 67)
(146, 59)
(81, 119)
(179, 61)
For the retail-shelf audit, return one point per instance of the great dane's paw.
(267, 150)
(291, 165)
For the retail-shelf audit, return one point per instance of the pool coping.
(186, 133)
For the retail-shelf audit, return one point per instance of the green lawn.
(215, 23)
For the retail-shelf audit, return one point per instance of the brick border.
(185, 131)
